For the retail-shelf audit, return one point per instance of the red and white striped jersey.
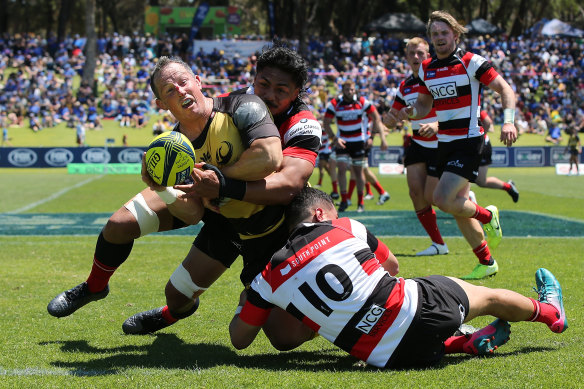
(455, 84)
(325, 145)
(329, 276)
(407, 94)
(352, 117)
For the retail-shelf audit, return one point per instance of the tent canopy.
(556, 27)
(397, 22)
(482, 27)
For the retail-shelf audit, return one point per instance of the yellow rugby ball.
(170, 158)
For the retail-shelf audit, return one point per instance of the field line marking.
(54, 195)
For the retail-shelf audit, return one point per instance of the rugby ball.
(170, 158)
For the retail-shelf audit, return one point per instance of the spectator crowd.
(38, 77)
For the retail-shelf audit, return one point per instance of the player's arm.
(326, 123)
(419, 109)
(379, 127)
(508, 130)
(383, 254)
(247, 322)
(263, 157)
(487, 123)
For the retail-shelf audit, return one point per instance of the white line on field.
(35, 371)
(53, 196)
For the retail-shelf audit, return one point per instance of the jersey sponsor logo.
(22, 157)
(430, 74)
(224, 153)
(304, 127)
(370, 319)
(58, 157)
(407, 90)
(445, 90)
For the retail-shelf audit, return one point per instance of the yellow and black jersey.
(235, 123)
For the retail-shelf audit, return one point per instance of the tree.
(90, 44)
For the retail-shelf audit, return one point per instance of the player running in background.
(420, 156)
(492, 182)
(328, 275)
(327, 162)
(451, 83)
(352, 113)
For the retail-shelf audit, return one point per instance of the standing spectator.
(574, 147)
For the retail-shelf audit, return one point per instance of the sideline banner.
(104, 168)
(22, 157)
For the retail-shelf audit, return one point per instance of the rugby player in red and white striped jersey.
(420, 156)
(451, 82)
(330, 277)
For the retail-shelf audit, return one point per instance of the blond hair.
(417, 41)
(445, 17)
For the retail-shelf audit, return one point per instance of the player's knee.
(120, 228)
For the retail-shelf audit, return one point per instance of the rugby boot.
(482, 271)
(488, 339)
(145, 322)
(493, 228)
(71, 300)
(513, 192)
(383, 198)
(549, 291)
(343, 206)
(335, 195)
(434, 249)
(360, 208)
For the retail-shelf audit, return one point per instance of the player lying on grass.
(328, 277)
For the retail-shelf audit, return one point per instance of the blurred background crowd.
(40, 84)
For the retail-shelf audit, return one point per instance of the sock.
(378, 187)
(368, 189)
(484, 254)
(344, 196)
(427, 218)
(352, 185)
(319, 180)
(506, 187)
(544, 313)
(107, 258)
(360, 198)
(335, 187)
(453, 345)
(168, 316)
(99, 276)
(482, 214)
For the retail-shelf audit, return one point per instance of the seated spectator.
(34, 123)
(158, 128)
(93, 119)
(555, 134)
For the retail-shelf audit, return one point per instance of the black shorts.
(324, 156)
(355, 149)
(461, 157)
(258, 252)
(219, 240)
(487, 155)
(416, 153)
(442, 307)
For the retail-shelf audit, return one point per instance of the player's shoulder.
(245, 109)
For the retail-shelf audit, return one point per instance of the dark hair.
(287, 60)
(301, 206)
(161, 64)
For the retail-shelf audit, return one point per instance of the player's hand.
(147, 179)
(405, 113)
(206, 184)
(389, 119)
(340, 143)
(508, 134)
(427, 130)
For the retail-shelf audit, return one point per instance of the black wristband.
(234, 189)
(228, 187)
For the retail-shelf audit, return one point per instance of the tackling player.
(328, 275)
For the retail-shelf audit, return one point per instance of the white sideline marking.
(54, 195)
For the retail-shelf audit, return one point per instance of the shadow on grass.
(168, 351)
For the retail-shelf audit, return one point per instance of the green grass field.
(88, 349)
